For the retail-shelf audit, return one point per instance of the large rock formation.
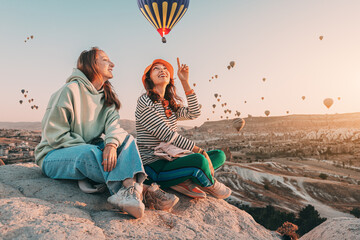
(33, 206)
(336, 228)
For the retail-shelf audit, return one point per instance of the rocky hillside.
(33, 206)
(285, 187)
(335, 229)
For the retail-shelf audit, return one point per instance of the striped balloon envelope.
(163, 14)
(238, 124)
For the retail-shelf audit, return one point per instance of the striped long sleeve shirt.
(153, 127)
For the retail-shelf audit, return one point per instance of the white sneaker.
(128, 200)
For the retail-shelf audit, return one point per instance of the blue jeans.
(84, 161)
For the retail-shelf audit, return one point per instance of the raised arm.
(193, 109)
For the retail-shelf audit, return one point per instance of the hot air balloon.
(221, 116)
(227, 117)
(245, 101)
(213, 111)
(238, 124)
(22, 91)
(214, 105)
(29, 100)
(328, 102)
(36, 107)
(232, 64)
(194, 84)
(262, 98)
(212, 77)
(267, 112)
(207, 119)
(264, 79)
(287, 112)
(163, 14)
(218, 99)
(228, 67)
(216, 95)
(25, 95)
(24, 40)
(225, 111)
(216, 76)
(27, 38)
(339, 98)
(32, 107)
(225, 104)
(21, 101)
(219, 95)
(303, 97)
(32, 37)
(321, 37)
(209, 80)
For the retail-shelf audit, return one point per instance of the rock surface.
(33, 206)
(336, 228)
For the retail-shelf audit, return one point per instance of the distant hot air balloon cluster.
(216, 76)
(231, 65)
(328, 102)
(29, 38)
(29, 100)
(163, 15)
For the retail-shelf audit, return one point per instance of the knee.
(200, 161)
(219, 156)
(89, 153)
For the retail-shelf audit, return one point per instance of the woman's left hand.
(183, 71)
(109, 157)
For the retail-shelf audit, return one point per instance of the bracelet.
(111, 145)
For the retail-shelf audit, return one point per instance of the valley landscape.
(287, 162)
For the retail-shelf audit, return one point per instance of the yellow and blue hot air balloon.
(163, 14)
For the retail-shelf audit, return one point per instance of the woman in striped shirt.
(157, 113)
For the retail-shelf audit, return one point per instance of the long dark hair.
(86, 63)
(170, 93)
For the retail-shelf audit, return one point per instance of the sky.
(277, 40)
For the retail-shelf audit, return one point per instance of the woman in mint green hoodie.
(71, 148)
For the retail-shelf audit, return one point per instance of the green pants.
(194, 167)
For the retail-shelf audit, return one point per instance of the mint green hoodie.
(76, 115)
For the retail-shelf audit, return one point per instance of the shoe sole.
(135, 211)
(187, 192)
(215, 195)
